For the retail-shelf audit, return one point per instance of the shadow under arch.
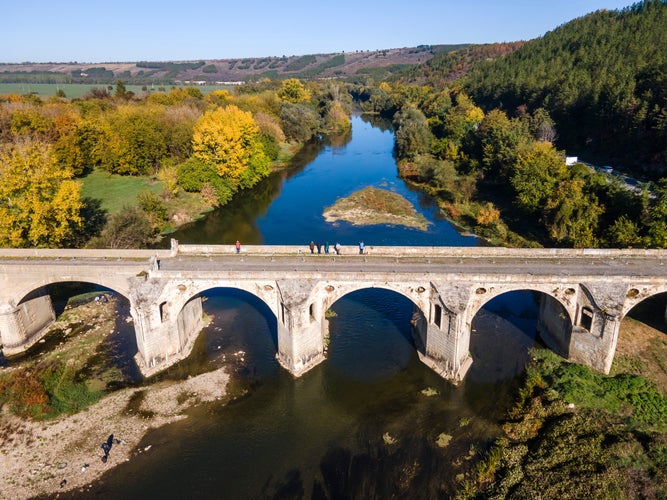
(506, 326)
(117, 349)
(643, 334)
(241, 332)
(61, 292)
(370, 334)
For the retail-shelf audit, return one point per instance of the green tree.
(657, 225)
(413, 135)
(500, 140)
(128, 228)
(536, 175)
(299, 121)
(571, 215)
(624, 233)
(154, 207)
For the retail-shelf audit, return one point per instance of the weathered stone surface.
(587, 292)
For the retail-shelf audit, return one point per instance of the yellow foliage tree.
(292, 90)
(337, 119)
(228, 139)
(40, 203)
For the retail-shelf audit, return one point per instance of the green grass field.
(115, 191)
(78, 90)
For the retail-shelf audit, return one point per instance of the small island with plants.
(372, 205)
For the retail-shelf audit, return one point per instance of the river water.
(371, 421)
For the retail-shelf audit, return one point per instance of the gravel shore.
(48, 457)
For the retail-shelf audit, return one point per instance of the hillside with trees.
(489, 146)
(603, 80)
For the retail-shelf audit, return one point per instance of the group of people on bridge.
(337, 247)
(313, 245)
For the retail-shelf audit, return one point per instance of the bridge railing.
(423, 251)
(348, 250)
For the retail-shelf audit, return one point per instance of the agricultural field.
(78, 90)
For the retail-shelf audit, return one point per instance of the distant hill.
(379, 64)
(446, 67)
(602, 77)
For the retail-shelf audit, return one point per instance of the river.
(371, 421)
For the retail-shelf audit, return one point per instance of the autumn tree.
(228, 139)
(138, 143)
(292, 90)
(41, 203)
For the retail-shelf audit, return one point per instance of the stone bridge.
(584, 294)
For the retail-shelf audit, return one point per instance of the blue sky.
(134, 30)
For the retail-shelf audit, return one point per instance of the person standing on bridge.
(238, 246)
(361, 247)
(312, 247)
(326, 247)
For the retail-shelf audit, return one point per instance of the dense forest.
(603, 80)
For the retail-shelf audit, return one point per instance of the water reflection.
(287, 207)
(364, 423)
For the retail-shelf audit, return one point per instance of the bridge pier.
(443, 338)
(301, 328)
(24, 325)
(164, 337)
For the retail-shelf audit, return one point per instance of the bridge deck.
(477, 260)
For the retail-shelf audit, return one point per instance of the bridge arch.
(372, 335)
(25, 318)
(325, 294)
(637, 294)
(648, 316)
(565, 295)
(26, 290)
(175, 297)
(505, 328)
(556, 312)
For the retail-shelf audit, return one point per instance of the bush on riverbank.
(45, 389)
(576, 433)
(72, 375)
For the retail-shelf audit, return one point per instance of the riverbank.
(577, 433)
(47, 457)
(43, 457)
